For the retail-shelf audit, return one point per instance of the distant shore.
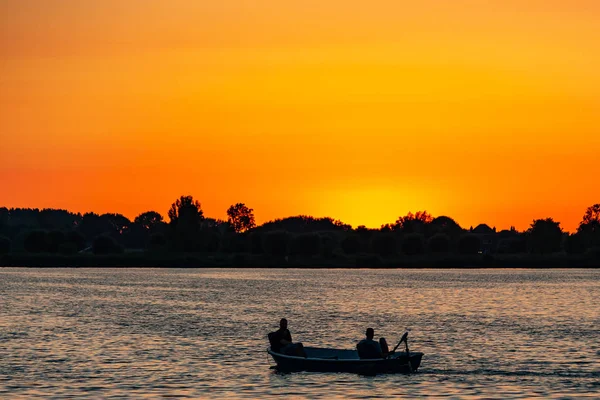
(200, 260)
(60, 238)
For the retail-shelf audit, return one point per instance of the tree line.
(188, 230)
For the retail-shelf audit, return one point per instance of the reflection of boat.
(334, 360)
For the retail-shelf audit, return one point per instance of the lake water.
(103, 333)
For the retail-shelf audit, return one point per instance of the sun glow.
(481, 111)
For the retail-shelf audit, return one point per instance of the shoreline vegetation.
(59, 238)
(366, 261)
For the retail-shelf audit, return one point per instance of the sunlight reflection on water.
(201, 333)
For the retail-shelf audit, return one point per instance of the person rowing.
(369, 348)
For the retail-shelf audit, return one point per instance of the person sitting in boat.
(281, 341)
(369, 348)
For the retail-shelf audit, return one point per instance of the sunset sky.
(486, 111)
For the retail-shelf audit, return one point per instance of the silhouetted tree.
(512, 245)
(413, 244)
(49, 218)
(384, 244)
(232, 242)
(545, 236)
(483, 229)
(55, 239)
(447, 225)
(306, 244)
(77, 239)
(24, 217)
(386, 228)
(137, 235)
(589, 227)
(328, 245)
(240, 217)
(508, 234)
(575, 244)
(4, 217)
(36, 241)
(67, 248)
(256, 242)
(185, 219)
(590, 233)
(105, 244)
(44, 230)
(439, 243)
(5, 245)
(5, 229)
(210, 240)
(341, 225)
(186, 210)
(92, 225)
(276, 243)
(368, 261)
(117, 223)
(149, 220)
(413, 223)
(593, 252)
(592, 214)
(469, 244)
(217, 225)
(351, 244)
(303, 223)
(158, 241)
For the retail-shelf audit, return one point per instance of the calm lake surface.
(103, 333)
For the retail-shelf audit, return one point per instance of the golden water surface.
(200, 333)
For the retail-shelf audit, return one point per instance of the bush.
(5, 245)
(234, 243)
(36, 242)
(469, 244)
(439, 243)
(545, 236)
(351, 244)
(105, 245)
(306, 244)
(575, 244)
(67, 248)
(328, 245)
(157, 241)
(384, 244)
(256, 240)
(593, 252)
(210, 241)
(512, 246)
(413, 244)
(55, 239)
(76, 238)
(368, 261)
(240, 260)
(276, 243)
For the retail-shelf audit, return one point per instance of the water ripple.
(185, 333)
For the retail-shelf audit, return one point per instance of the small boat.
(334, 360)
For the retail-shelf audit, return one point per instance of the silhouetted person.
(281, 341)
(369, 348)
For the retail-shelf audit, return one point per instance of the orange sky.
(486, 111)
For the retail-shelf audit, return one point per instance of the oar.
(404, 339)
(408, 353)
